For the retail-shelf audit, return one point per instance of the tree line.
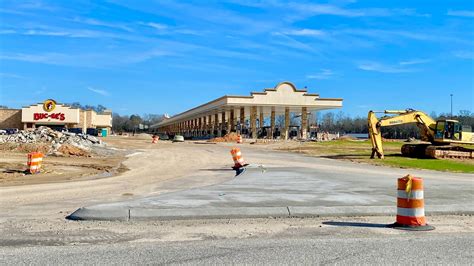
(342, 123)
(135, 122)
(125, 123)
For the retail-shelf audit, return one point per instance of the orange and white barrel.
(410, 204)
(237, 157)
(239, 139)
(35, 160)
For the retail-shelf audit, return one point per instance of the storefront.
(57, 116)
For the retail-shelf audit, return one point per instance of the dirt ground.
(56, 169)
(70, 168)
(68, 183)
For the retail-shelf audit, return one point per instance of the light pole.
(451, 105)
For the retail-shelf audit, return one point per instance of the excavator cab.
(448, 130)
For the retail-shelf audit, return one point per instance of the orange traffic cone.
(410, 205)
(34, 162)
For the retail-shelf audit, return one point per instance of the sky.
(138, 57)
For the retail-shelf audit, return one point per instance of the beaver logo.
(49, 105)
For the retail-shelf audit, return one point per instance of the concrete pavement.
(312, 187)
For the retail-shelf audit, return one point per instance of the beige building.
(51, 114)
(247, 114)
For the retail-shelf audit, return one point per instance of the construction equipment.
(440, 134)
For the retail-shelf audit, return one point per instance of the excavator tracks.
(433, 151)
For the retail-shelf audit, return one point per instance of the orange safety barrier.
(237, 157)
(411, 205)
(239, 139)
(34, 162)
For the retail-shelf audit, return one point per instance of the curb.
(124, 213)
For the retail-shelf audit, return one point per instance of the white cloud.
(155, 25)
(46, 33)
(464, 54)
(461, 13)
(325, 9)
(36, 5)
(166, 29)
(58, 32)
(95, 22)
(335, 10)
(98, 91)
(292, 43)
(323, 74)
(378, 67)
(305, 32)
(414, 62)
(10, 75)
(50, 58)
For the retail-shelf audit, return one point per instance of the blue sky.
(169, 56)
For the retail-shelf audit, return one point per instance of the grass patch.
(431, 164)
(359, 151)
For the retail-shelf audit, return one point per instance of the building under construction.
(247, 114)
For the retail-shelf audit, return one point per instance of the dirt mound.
(69, 150)
(231, 137)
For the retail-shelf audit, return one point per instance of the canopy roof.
(285, 94)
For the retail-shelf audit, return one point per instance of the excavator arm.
(423, 121)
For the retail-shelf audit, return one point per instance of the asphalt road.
(412, 249)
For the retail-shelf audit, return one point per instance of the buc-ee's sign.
(56, 116)
(49, 106)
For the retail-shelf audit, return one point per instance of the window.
(439, 129)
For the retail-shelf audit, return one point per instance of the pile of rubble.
(231, 137)
(58, 141)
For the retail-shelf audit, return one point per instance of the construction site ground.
(34, 207)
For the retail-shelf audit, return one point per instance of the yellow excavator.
(439, 135)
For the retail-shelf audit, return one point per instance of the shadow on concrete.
(218, 169)
(355, 224)
(15, 171)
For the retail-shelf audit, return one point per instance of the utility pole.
(451, 105)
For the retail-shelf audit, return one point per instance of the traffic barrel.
(411, 205)
(237, 157)
(239, 139)
(35, 160)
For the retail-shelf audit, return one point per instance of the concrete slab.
(313, 187)
(101, 212)
(206, 213)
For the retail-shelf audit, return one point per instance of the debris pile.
(59, 143)
(231, 137)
